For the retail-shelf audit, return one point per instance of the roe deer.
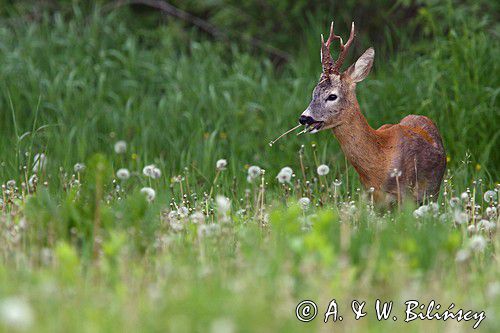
(396, 160)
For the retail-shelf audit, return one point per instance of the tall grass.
(84, 251)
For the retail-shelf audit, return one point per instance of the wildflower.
(223, 204)
(253, 172)
(121, 147)
(304, 203)
(123, 174)
(461, 217)
(39, 162)
(16, 313)
(477, 243)
(149, 193)
(287, 170)
(337, 182)
(396, 173)
(79, 167)
(323, 170)
(489, 196)
(221, 164)
(183, 212)
(421, 211)
(156, 173)
(464, 196)
(149, 170)
(462, 255)
(11, 183)
(197, 218)
(284, 177)
(454, 202)
(491, 212)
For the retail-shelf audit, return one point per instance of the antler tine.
(326, 57)
(344, 48)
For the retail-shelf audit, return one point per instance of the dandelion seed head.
(489, 196)
(491, 212)
(121, 147)
(78, 167)
(149, 193)
(337, 182)
(16, 313)
(221, 164)
(304, 203)
(123, 174)
(323, 170)
(460, 217)
(11, 183)
(197, 218)
(395, 173)
(464, 196)
(253, 173)
(477, 243)
(148, 170)
(462, 255)
(223, 204)
(155, 173)
(454, 202)
(287, 170)
(284, 177)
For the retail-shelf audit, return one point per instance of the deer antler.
(330, 67)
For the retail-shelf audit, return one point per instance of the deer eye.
(331, 97)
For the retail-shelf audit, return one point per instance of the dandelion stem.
(282, 135)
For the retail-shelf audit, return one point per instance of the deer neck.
(363, 146)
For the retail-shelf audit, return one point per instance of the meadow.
(140, 193)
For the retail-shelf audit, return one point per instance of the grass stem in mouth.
(282, 135)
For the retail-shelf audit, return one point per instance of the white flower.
(489, 196)
(337, 182)
(156, 173)
(197, 217)
(253, 172)
(323, 170)
(120, 147)
(284, 177)
(223, 204)
(79, 167)
(16, 313)
(149, 170)
(304, 203)
(461, 217)
(287, 170)
(396, 173)
(123, 174)
(462, 255)
(477, 243)
(464, 196)
(183, 212)
(39, 162)
(149, 193)
(491, 212)
(221, 164)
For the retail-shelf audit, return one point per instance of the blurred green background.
(75, 76)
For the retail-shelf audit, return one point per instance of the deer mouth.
(314, 127)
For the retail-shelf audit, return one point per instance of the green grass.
(86, 252)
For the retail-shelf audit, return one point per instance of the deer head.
(335, 95)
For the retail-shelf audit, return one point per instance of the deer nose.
(306, 120)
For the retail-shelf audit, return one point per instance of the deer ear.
(361, 68)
